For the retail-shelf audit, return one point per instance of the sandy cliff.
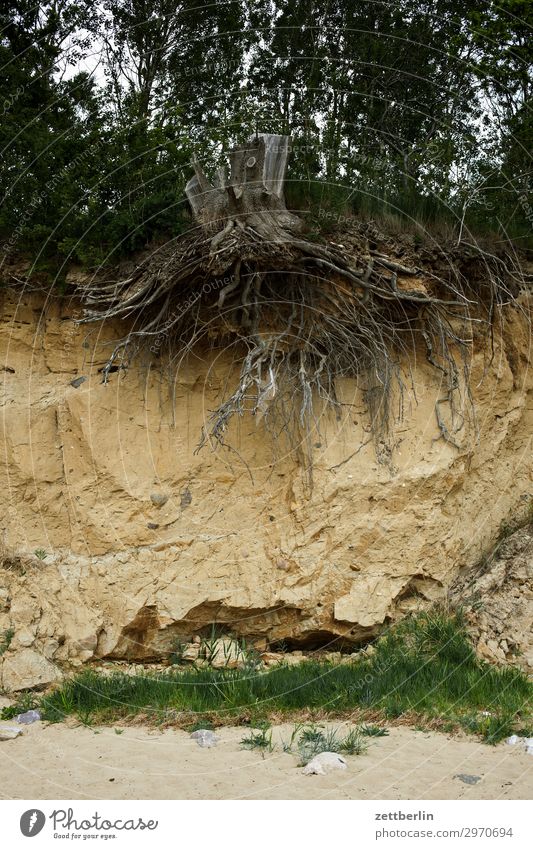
(141, 540)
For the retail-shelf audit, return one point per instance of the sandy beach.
(62, 762)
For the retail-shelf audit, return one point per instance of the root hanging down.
(303, 312)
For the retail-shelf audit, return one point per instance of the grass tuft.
(261, 739)
(374, 731)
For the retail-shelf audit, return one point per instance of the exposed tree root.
(304, 313)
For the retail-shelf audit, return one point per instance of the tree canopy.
(417, 109)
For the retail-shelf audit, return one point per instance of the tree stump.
(252, 197)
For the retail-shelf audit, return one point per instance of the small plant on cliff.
(210, 645)
(251, 658)
(5, 640)
(10, 561)
(176, 655)
(40, 553)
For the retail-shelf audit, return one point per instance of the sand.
(62, 762)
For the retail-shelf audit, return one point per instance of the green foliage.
(373, 731)
(492, 729)
(432, 636)
(307, 741)
(24, 702)
(383, 120)
(352, 744)
(261, 739)
(313, 740)
(178, 647)
(425, 665)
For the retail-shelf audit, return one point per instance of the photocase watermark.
(12, 98)
(378, 668)
(185, 306)
(40, 197)
(66, 825)
(526, 208)
(221, 67)
(32, 822)
(334, 217)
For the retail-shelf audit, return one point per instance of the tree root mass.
(302, 312)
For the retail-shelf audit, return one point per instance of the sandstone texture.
(120, 540)
(497, 596)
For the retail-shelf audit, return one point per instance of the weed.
(250, 657)
(261, 739)
(353, 744)
(492, 729)
(209, 645)
(24, 702)
(85, 718)
(374, 731)
(524, 732)
(40, 553)
(314, 740)
(5, 640)
(10, 561)
(288, 747)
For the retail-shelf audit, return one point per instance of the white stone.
(158, 499)
(23, 670)
(191, 652)
(205, 738)
(323, 763)
(9, 733)
(226, 654)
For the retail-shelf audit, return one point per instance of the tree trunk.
(253, 196)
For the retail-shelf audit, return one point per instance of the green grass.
(308, 741)
(425, 666)
(312, 740)
(374, 731)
